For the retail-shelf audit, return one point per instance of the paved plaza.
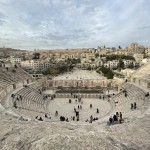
(66, 109)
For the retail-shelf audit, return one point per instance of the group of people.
(73, 118)
(91, 119)
(16, 98)
(39, 118)
(47, 115)
(125, 93)
(117, 118)
(62, 118)
(23, 119)
(133, 105)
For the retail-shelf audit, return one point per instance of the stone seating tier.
(123, 104)
(31, 100)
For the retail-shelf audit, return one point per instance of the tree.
(73, 61)
(107, 72)
(119, 47)
(36, 56)
(92, 59)
(116, 57)
(121, 64)
(131, 66)
(110, 74)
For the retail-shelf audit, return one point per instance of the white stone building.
(37, 65)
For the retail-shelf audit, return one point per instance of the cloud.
(72, 23)
(144, 27)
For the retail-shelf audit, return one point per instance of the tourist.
(134, 105)
(96, 118)
(75, 109)
(147, 94)
(77, 113)
(125, 94)
(47, 116)
(12, 95)
(62, 118)
(111, 120)
(115, 118)
(77, 118)
(120, 115)
(117, 114)
(40, 119)
(20, 97)
(67, 120)
(90, 105)
(86, 120)
(91, 117)
(120, 118)
(97, 110)
(131, 105)
(56, 113)
(73, 118)
(103, 97)
(116, 102)
(69, 100)
(78, 106)
(15, 104)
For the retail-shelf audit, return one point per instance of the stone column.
(83, 83)
(74, 84)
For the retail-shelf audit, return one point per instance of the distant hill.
(6, 52)
(62, 51)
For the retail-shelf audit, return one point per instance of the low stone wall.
(9, 89)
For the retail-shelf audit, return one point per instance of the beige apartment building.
(37, 65)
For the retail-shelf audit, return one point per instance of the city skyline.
(56, 24)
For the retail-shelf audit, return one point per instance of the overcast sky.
(52, 24)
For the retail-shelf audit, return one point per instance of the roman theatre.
(28, 110)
